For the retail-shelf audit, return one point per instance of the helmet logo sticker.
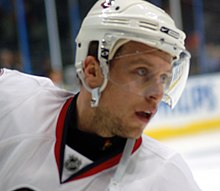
(107, 3)
(170, 32)
(104, 53)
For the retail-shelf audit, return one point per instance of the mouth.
(144, 116)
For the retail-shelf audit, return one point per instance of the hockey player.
(130, 57)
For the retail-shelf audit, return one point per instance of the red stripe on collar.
(101, 167)
(59, 130)
(107, 164)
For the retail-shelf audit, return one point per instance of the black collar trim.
(94, 168)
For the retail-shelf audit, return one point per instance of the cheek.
(118, 103)
(116, 97)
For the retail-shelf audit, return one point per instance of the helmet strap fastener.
(95, 93)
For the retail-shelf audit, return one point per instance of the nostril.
(155, 94)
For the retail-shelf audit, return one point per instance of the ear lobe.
(93, 73)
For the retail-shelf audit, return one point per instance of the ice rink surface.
(202, 153)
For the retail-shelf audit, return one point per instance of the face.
(138, 76)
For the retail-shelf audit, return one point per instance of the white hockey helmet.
(112, 21)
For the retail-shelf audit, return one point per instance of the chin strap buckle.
(95, 97)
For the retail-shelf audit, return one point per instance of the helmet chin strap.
(104, 56)
(95, 92)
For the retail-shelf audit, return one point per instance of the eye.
(165, 79)
(142, 71)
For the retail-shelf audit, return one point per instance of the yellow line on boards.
(189, 129)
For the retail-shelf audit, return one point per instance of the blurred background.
(37, 37)
(27, 28)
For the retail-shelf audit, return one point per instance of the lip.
(144, 116)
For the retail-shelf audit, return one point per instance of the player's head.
(112, 24)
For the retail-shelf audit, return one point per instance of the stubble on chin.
(107, 124)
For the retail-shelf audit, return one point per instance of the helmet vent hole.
(148, 25)
(79, 45)
(117, 8)
(162, 40)
(119, 21)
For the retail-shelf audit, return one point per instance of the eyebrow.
(140, 60)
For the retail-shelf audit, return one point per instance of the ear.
(92, 72)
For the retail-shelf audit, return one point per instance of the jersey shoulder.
(18, 79)
(157, 149)
(173, 172)
(18, 88)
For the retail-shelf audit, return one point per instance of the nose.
(155, 92)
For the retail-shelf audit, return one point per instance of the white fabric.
(84, 161)
(29, 108)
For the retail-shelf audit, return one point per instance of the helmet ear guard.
(132, 20)
(95, 92)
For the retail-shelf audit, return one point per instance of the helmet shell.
(131, 20)
(115, 22)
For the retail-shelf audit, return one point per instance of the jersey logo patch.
(72, 163)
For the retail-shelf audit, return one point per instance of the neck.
(89, 119)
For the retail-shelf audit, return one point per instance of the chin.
(137, 132)
(135, 135)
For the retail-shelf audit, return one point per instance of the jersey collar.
(92, 169)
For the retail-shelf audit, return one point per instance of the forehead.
(134, 48)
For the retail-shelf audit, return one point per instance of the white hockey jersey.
(32, 151)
